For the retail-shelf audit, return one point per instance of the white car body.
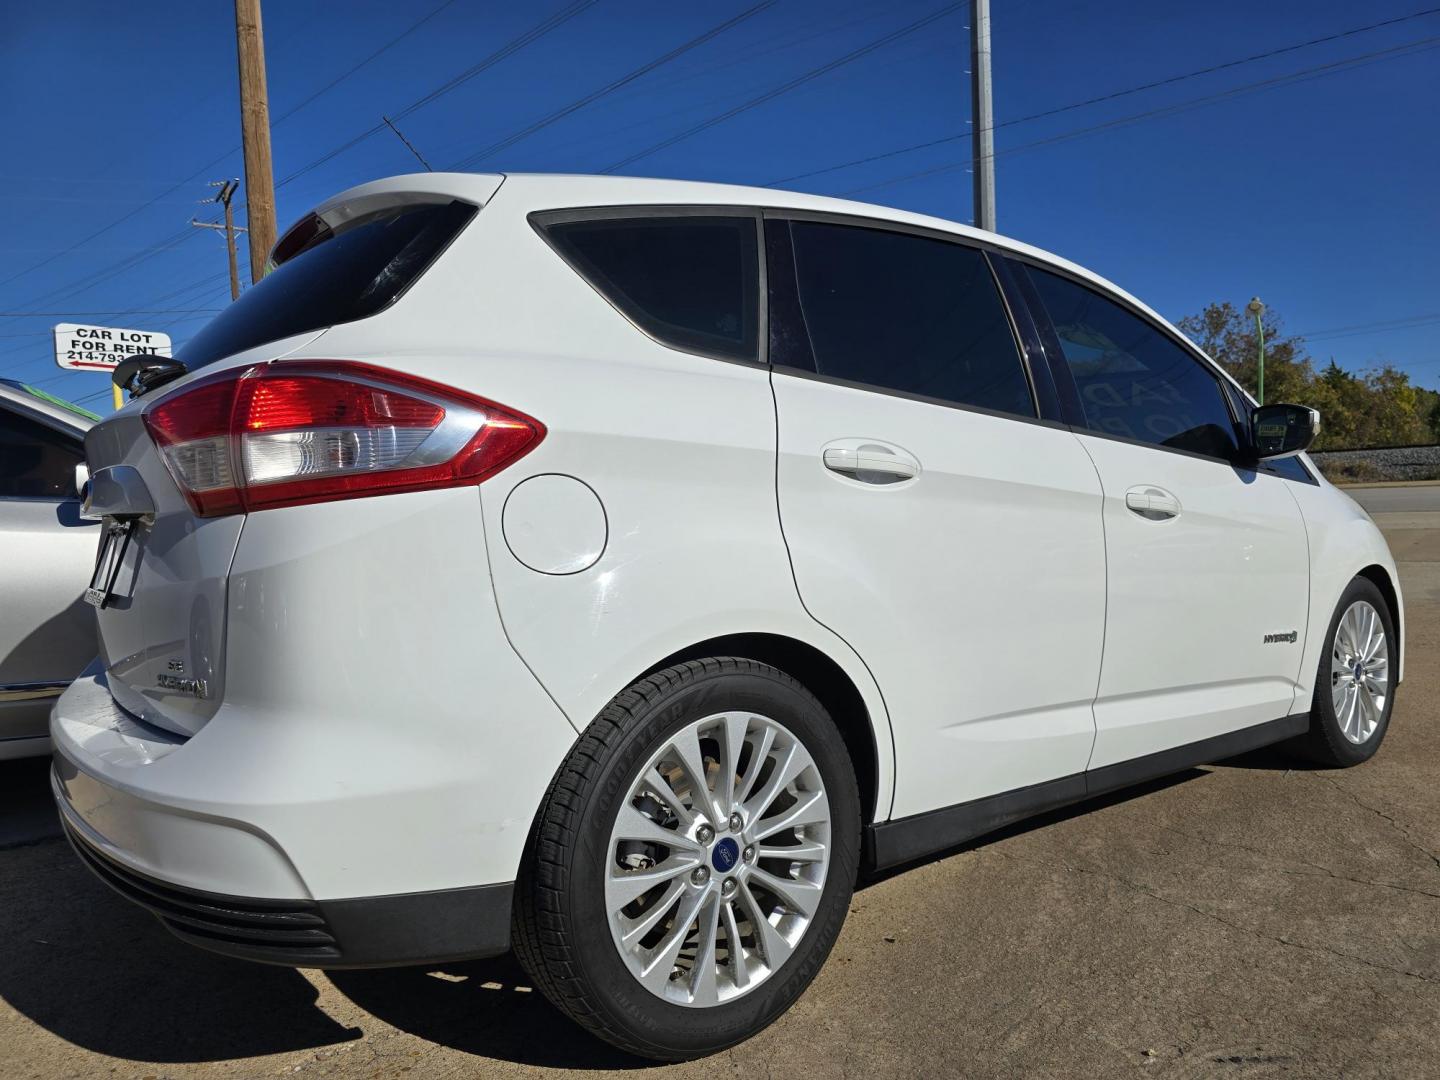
(391, 682)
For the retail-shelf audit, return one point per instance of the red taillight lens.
(283, 434)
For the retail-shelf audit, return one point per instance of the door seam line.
(1104, 607)
(794, 580)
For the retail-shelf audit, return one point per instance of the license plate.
(113, 545)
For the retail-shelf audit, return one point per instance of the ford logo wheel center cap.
(725, 854)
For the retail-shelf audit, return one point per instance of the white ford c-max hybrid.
(615, 568)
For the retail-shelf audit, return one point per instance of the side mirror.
(1280, 431)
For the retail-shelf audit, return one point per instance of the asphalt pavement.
(1255, 918)
(1397, 498)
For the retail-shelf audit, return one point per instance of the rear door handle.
(1152, 503)
(870, 462)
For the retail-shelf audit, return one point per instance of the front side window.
(1134, 380)
(690, 282)
(36, 462)
(895, 311)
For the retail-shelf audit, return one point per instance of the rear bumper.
(377, 756)
(373, 931)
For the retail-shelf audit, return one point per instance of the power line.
(131, 311)
(1222, 67)
(145, 306)
(1296, 76)
(363, 63)
(624, 80)
(866, 160)
(97, 277)
(211, 164)
(212, 280)
(656, 90)
(540, 30)
(772, 44)
(1424, 317)
(1170, 81)
(1414, 322)
(785, 88)
(535, 33)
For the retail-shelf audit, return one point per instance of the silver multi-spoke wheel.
(1359, 671)
(717, 859)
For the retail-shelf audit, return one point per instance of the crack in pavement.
(1398, 826)
(1147, 891)
(1325, 871)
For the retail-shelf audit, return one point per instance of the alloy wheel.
(1359, 671)
(718, 858)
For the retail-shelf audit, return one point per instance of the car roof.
(46, 406)
(575, 190)
(556, 191)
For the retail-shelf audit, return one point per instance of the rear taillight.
(287, 433)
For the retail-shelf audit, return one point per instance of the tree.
(1430, 404)
(1380, 407)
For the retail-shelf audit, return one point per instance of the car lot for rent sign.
(101, 348)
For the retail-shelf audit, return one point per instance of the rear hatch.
(160, 587)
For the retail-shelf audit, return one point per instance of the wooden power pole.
(227, 192)
(255, 135)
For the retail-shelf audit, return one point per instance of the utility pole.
(982, 116)
(227, 192)
(255, 135)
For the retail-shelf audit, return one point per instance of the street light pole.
(982, 117)
(1256, 308)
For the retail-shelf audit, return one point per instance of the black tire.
(1325, 744)
(561, 927)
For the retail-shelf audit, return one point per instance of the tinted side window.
(893, 310)
(689, 282)
(36, 462)
(1134, 380)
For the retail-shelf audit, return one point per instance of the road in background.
(1396, 498)
(1257, 917)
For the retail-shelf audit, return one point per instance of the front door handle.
(870, 462)
(1152, 503)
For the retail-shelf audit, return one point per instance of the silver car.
(47, 552)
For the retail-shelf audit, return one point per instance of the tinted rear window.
(36, 462)
(689, 282)
(895, 311)
(342, 277)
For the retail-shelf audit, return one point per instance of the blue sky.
(1317, 193)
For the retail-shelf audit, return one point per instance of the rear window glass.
(894, 311)
(689, 282)
(338, 278)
